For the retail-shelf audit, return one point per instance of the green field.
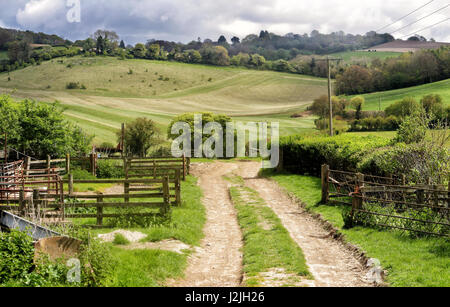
(389, 97)
(119, 91)
(364, 56)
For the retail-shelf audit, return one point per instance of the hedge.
(305, 155)
(372, 155)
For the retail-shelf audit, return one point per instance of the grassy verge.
(267, 244)
(423, 262)
(150, 268)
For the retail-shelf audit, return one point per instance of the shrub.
(72, 85)
(110, 169)
(16, 255)
(305, 155)
(81, 174)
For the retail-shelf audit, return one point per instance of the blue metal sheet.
(35, 231)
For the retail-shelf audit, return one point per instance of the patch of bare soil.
(218, 261)
(331, 264)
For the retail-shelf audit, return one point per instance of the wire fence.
(388, 202)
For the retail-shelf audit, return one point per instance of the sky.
(187, 20)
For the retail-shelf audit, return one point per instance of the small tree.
(358, 103)
(413, 128)
(140, 136)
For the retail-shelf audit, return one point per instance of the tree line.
(409, 69)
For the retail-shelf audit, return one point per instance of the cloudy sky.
(185, 20)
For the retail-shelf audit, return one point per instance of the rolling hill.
(120, 90)
(389, 97)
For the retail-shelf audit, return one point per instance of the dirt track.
(218, 263)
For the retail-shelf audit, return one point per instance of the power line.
(421, 19)
(405, 16)
(427, 28)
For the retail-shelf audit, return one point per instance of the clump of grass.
(130, 72)
(120, 239)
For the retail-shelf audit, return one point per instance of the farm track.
(218, 263)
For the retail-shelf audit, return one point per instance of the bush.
(306, 155)
(110, 169)
(72, 85)
(81, 174)
(16, 255)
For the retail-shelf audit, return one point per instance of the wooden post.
(22, 203)
(27, 165)
(67, 163)
(122, 140)
(100, 210)
(126, 189)
(49, 164)
(178, 187)
(35, 204)
(166, 195)
(92, 163)
(70, 184)
(184, 167)
(325, 183)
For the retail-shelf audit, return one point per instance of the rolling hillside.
(389, 97)
(119, 90)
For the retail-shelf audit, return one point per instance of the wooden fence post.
(49, 164)
(35, 204)
(93, 159)
(22, 203)
(184, 167)
(188, 165)
(70, 184)
(67, 163)
(166, 195)
(280, 165)
(325, 185)
(178, 187)
(27, 165)
(126, 190)
(100, 210)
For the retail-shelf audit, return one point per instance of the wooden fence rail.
(389, 201)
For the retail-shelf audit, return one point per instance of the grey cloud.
(184, 20)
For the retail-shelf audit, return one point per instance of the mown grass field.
(389, 97)
(120, 90)
(423, 262)
(364, 56)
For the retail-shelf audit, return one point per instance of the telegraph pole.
(329, 91)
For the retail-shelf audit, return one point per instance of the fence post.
(166, 195)
(35, 204)
(93, 166)
(178, 187)
(21, 203)
(280, 162)
(49, 164)
(126, 189)
(70, 184)
(27, 165)
(67, 163)
(325, 185)
(184, 167)
(100, 210)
